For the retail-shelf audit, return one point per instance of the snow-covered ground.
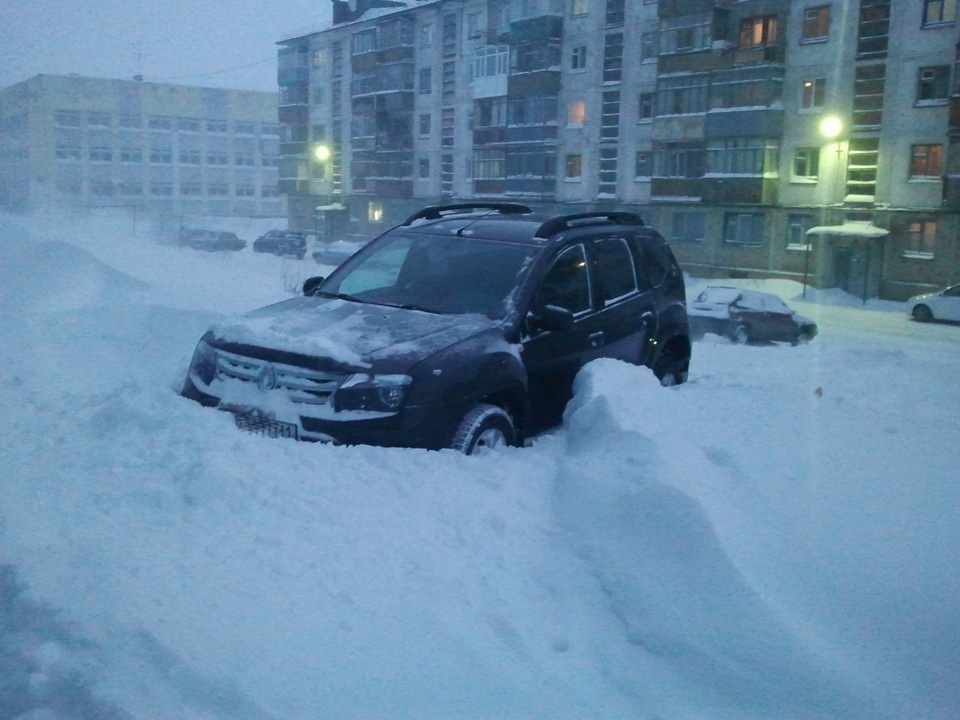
(778, 539)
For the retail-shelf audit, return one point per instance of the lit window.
(816, 23)
(574, 167)
(758, 31)
(921, 239)
(580, 7)
(926, 161)
(812, 93)
(577, 112)
(375, 211)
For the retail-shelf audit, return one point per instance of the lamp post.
(830, 128)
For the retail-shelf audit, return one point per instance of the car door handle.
(595, 339)
(646, 318)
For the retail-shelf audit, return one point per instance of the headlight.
(204, 363)
(378, 393)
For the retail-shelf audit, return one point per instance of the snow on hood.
(347, 332)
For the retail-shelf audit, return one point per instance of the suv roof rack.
(565, 222)
(435, 212)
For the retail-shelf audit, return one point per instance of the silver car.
(942, 305)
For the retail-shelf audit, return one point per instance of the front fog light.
(378, 393)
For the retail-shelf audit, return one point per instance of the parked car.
(461, 328)
(286, 243)
(942, 305)
(214, 240)
(335, 252)
(748, 316)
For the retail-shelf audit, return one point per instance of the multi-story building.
(702, 115)
(89, 142)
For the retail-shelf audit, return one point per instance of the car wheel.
(921, 313)
(486, 427)
(740, 335)
(670, 372)
(802, 338)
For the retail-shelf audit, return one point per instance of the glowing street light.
(321, 153)
(831, 126)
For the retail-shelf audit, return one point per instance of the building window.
(688, 226)
(188, 125)
(580, 7)
(577, 112)
(578, 58)
(375, 211)
(926, 161)
(318, 59)
(758, 31)
(680, 160)
(244, 159)
(217, 158)
(132, 155)
(939, 11)
(812, 93)
(921, 240)
(648, 47)
(424, 81)
(161, 156)
(748, 86)
(797, 226)
(426, 35)
(363, 42)
(574, 167)
(164, 189)
(424, 171)
(683, 94)
(101, 154)
(68, 152)
(67, 118)
(616, 10)
(643, 165)
(160, 122)
(862, 159)
(741, 156)
(933, 84)
(869, 81)
(685, 34)
(98, 119)
(242, 127)
(191, 189)
(645, 107)
(613, 57)
(743, 228)
(491, 60)
(806, 163)
(189, 157)
(873, 29)
(218, 189)
(816, 24)
(216, 126)
(129, 121)
(245, 191)
(424, 124)
(489, 164)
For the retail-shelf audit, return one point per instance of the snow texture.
(775, 540)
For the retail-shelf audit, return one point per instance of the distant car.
(214, 240)
(747, 316)
(286, 243)
(942, 305)
(335, 252)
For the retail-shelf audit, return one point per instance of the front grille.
(300, 384)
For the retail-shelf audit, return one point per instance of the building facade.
(88, 142)
(702, 115)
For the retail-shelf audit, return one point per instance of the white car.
(943, 305)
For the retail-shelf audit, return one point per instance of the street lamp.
(321, 153)
(830, 127)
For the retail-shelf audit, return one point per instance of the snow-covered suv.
(461, 328)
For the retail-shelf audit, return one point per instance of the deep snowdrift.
(776, 539)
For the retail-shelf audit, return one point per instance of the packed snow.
(777, 539)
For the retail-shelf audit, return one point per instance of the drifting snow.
(775, 539)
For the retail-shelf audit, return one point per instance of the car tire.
(740, 334)
(803, 338)
(484, 428)
(921, 313)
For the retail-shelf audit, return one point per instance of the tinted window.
(567, 283)
(615, 271)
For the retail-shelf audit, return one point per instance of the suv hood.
(350, 333)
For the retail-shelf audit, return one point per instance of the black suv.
(286, 243)
(461, 328)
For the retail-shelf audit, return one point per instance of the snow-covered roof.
(852, 228)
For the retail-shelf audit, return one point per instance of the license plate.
(257, 424)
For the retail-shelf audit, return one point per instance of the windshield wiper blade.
(340, 296)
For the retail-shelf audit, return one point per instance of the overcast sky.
(214, 43)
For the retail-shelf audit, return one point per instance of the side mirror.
(551, 317)
(312, 284)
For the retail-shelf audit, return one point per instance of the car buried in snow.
(748, 316)
(461, 328)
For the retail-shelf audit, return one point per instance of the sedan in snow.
(943, 305)
(747, 316)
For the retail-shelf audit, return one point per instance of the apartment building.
(705, 116)
(89, 142)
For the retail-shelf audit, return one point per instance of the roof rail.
(435, 212)
(565, 222)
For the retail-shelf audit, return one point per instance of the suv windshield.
(434, 273)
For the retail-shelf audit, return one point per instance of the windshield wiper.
(340, 296)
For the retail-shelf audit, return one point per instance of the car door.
(947, 305)
(627, 320)
(552, 358)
